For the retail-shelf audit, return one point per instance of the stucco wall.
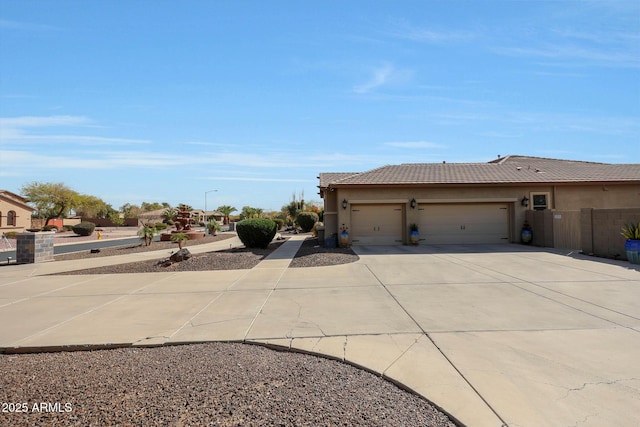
(23, 217)
(561, 198)
(576, 197)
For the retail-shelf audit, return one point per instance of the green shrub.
(256, 232)
(161, 226)
(84, 228)
(213, 226)
(279, 222)
(11, 234)
(50, 228)
(67, 227)
(306, 220)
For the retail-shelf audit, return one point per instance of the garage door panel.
(376, 224)
(464, 223)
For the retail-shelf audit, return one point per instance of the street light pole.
(205, 201)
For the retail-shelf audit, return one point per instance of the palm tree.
(146, 233)
(226, 211)
(169, 214)
(180, 238)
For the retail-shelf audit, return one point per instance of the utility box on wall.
(34, 247)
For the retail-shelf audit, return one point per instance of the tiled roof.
(16, 199)
(327, 178)
(510, 169)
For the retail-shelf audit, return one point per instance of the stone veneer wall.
(34, 247)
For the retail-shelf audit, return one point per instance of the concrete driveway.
(493, 335)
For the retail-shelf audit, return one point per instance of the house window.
(0, 218)
(11, 218)
(540, 201)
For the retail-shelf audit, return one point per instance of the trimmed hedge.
(306, 220)
(256, 232)
(84, 228)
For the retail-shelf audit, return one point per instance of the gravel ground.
(310, 254)
(219, 384)
(140, 247)
(231, 259)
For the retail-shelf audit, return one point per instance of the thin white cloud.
(43, 121)
(404, 30)
(25, 26)
(413, 144)
(16, 131)
(207, 144)
(69, 139)
(381, 76)
(575, 55)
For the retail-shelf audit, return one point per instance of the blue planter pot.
(344, 239)
(632, 247)
(526, 236)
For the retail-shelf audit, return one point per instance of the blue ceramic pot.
(632, 247)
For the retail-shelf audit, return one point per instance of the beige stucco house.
(464, 203)
(15, 213)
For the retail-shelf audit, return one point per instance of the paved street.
(491, 334)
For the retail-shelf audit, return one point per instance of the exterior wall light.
(413, 203)
(344, 204)
(525, 202)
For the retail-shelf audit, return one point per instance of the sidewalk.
(523, 337)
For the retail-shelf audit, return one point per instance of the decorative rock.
(164, 262)
(182, 255)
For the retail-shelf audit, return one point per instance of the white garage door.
(376, 224)
(464, 223)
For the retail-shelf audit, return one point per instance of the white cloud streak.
(14, 131)
(575, 55)
(25, 26)
(381, 76)
(404, 30)
(39, 121)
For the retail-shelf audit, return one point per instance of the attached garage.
(378, 224)
(464, 223)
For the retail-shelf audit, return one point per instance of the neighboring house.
(468, 202)
(202, 216)
(15, 213)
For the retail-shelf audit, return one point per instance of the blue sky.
(163, 101)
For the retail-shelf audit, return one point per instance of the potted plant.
(344, 237)
(526, 235)
(414, 234)
(632, 246)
